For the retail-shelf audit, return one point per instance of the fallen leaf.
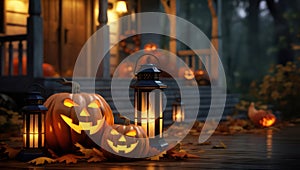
(11, 152)
(42, 161)
(204, 143)
(69, 158)
(182, 154)
(97, 156)
(221, 145)
(156, 157)
(87, 152)
(94, 154)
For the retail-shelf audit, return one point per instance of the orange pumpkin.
(125, 141)
(260, 117)
(64, 127)
(48, 69)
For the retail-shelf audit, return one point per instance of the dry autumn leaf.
(94, 154)
(42, 161)
(11, 152)
(221, 145)
(97, 156)
(69, 158)
(87, 152)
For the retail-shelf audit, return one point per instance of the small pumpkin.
(262, 118)
(125, 141)
(186, 73)
(202, 77)
(64, 127)
(48, 69)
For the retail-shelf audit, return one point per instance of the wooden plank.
(193, 52)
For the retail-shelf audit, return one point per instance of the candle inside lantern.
(35, 132)
(178, 111)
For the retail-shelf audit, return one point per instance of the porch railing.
(191, 58)
(11, 45)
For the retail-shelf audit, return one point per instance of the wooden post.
(102, 18)
(171, 10)
(214, 42)
(34, 40)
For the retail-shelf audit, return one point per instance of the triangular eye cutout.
(95, 104)
(131, 133)
(114, 132)
(70, 103)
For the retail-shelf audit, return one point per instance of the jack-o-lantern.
(125, 141)
(75, 118)
(186, 73)
(202, 77)
(261, 118)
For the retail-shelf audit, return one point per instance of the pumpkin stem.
(75, 86)
(126, 119)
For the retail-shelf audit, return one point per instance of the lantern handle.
(126, 119)
(143, 56)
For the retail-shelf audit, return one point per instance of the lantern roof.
(148, 78)
(34, 102)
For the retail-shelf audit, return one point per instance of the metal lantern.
(34, 113)
(148, 101)
(178, 111)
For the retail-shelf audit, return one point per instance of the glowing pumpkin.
(202, 77)
(260, 117)
(64, 127)
(125, 141)
(186, 73)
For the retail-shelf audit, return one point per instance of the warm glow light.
(150, 47)
(17, 5)
(269, 143)
(121, 7)
(266, 122)
(124, 148)
(178, 112)
(84, 125)
(33, 132)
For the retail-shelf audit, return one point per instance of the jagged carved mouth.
(84, 125)
(123, 148)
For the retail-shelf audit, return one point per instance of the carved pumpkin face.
(94, 108)
(75, 118)
(125, 141)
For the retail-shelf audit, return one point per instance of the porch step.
(103, 87)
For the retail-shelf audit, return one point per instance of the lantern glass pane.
(43, 123)
(160, 113)
(135, 108)
(144, 109)
(24, 131)
(24, 140)
(43, 139)
(31, 122)
(36, 130)
(151, 113)
(31, 129)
